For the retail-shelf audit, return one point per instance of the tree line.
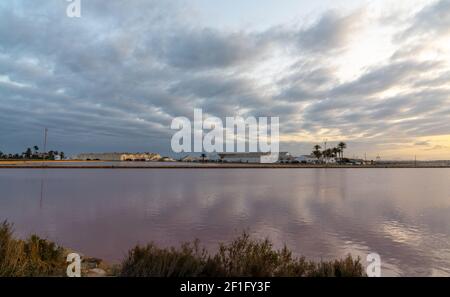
(30, 154)
(334, 152)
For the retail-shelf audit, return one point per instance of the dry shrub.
(31, 257)
(242, 257)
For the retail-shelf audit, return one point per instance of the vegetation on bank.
(335, 152)
(31, 257)
(243, 256)
(33, 154)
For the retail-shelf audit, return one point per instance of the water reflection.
(402, 214)
(41, 196)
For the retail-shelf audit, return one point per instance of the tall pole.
(45, 143)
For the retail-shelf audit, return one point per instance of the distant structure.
(167, 159)
(356, 161)
(242, 157)
(285, 157)
(119, 157)
(190, 159)
(307, 159)
(252, 157)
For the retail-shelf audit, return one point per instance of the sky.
(374, 74)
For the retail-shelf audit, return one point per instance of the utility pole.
(45, 143)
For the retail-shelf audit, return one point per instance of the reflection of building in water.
(119, 157)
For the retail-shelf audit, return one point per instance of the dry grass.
(31, 257)
(243, 257)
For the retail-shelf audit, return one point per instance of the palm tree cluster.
(335, 152)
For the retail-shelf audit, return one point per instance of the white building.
(331, 160)
(356, 161)
(190, 159)
(242, 157)
(310, 159)
(254, 157)
(285, 157)
(306, 159)
(119, 157)
(167, 159)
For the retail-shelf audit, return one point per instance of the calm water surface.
(402, 214)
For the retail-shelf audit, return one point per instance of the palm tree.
(317, 153)
(342, 146)
(203, 157)
(336, 151)
(51, 155)
(36, 148)
(328, 153)
(28, 153)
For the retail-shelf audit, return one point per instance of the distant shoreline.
(179, 165)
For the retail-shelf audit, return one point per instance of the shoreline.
(222, 166)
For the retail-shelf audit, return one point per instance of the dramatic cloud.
(114, 79)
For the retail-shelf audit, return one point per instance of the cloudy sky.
(375, 74)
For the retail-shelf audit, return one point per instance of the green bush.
(243, 257)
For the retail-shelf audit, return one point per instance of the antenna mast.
(45, 143)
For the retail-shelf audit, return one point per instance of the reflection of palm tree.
(41, 200)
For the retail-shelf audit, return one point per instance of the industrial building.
(119, 157)
(252, 157)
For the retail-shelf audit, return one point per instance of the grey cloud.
(330, 32)
(308, 81)
(431, 21)
(382, 78)
(206, 49)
